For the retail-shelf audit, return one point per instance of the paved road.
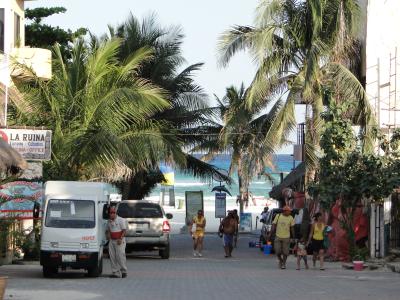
(248, 275)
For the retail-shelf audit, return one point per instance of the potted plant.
(358, 255)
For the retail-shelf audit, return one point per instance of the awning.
(293, 178)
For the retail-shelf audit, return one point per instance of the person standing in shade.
(116, 230)
(283, 227)
(198, 235)
(317, 240)
(236, 216)
(228, 228)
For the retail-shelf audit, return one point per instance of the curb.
(394, 267)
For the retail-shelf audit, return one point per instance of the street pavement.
(249, 274)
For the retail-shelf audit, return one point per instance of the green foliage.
(98, 110)
(347, 173)
(303, 50)
(42, 35)
(28, 244)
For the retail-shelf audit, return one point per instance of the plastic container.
(358, 265)
(267, 249)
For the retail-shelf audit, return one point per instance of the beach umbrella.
(221, 188)
(10, 160)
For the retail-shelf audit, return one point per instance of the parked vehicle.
(73, 228)
(148, 227)
(267, 226)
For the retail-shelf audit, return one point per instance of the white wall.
(382, 39)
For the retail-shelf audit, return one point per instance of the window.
(2, 29)
(17, 30)
(139, 210)
(70, 214)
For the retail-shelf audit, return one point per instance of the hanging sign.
(220, 205)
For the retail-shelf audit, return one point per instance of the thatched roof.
(10, 160)
(293, 178)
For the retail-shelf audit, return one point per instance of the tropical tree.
(188, 115)
(243, 135)
(303, 50)
(42, 35)
(99, 111)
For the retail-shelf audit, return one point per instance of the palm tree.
(243, 134)
(88, 103)
(302, 49)
(188, 115)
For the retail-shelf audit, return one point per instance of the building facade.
(14, 53)
(381, 62)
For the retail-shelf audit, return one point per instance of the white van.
(73, 227)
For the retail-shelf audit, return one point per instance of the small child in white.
(301, 252)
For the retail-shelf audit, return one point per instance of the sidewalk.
(179, 216)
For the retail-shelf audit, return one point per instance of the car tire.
(164, 253)
(96, 270)
(49, 272)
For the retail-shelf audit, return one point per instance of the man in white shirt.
(116, 230)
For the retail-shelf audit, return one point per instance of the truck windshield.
(70, 214)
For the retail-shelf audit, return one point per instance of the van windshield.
(139, 210)
(70, 214)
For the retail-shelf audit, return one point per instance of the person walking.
(264, 213)
(317, 240)
(283, 228)
(198, 235)
(301, 252)
(228, 228)
(115, 233)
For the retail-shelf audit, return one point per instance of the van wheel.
(164, 253)
(49, 272)
(97, 270)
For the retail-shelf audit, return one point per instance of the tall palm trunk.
(242, 189)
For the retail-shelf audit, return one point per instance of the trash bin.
(267, 249)
(358, 265)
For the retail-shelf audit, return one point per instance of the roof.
(10, 160)
(292, 178)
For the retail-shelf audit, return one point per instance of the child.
(301, 252)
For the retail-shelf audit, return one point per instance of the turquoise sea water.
(258, 187)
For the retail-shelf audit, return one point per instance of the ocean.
(259, 186)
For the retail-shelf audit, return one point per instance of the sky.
(203, 21)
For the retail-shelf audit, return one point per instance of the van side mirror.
(169, 216)
(36, 210)
(106, 209)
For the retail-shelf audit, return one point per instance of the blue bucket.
(267, 249)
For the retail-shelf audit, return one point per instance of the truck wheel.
(96, 270)
(164, 253)
(49, 272)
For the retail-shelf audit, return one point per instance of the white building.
(14, 52)
(382, 50)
